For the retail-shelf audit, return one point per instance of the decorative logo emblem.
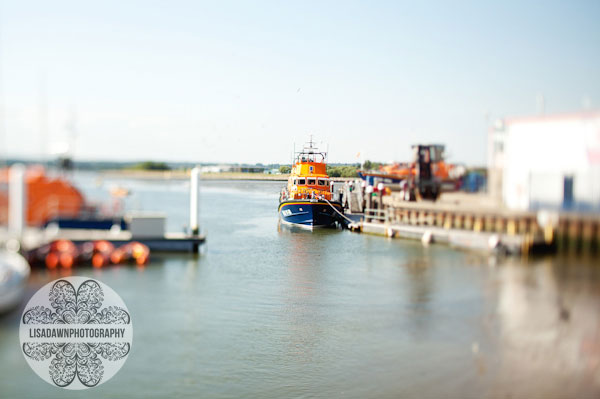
(76, 332)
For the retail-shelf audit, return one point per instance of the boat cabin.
(309, 177)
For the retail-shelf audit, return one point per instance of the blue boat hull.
(309, 214)
(88, 223)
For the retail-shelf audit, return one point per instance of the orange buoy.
(100, 259)
(117, 256)
(66, 259)
(51, 260)
(140, 252)
(103, 246)
(141, 260)
(63, 246)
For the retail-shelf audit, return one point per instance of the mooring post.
(194, 201)
(16, 200)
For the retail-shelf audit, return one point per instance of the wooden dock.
(33, 238)
(482, 241)
(474, 222)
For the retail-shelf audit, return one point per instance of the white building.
(216, 169)
(549, 161)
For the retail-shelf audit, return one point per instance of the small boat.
(307, 201)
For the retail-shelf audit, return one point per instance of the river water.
(271, 312)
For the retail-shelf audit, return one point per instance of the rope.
(335, 209)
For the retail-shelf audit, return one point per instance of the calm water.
(272, 313)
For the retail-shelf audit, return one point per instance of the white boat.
(14, 272)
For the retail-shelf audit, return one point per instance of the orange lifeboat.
(307, 200)
(47, 197)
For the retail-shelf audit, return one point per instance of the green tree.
(342, 171)
(333, 171)
(284, 169)
(349, 171)
(369, 165)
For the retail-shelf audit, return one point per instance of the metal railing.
(376, 214)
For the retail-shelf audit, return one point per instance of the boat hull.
(15, 270)
(88, 223)
(309, 214)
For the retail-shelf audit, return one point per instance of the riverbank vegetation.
(150, 165)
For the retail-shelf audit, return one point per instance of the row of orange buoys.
(66, 254)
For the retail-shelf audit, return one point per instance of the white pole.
(16, 199)
(194, 183)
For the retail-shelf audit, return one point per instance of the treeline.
(368, 165)
(343, 171)
(334, 170)
(150, 165)
(351, 170)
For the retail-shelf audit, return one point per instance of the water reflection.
(420, 285)
(549, 325)
(303, 298)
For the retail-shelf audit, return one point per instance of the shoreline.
(185, 174)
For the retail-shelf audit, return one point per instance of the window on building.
(301, 182)
(311, 181)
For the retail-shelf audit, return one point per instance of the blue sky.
(242, 81)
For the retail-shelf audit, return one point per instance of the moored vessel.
(307, 201)
(14, 272)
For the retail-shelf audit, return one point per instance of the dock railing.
(467, 218)
(379, 215)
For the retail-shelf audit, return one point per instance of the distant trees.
(342, 171)
(151, 165)
(368, 165)
(284, 169)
